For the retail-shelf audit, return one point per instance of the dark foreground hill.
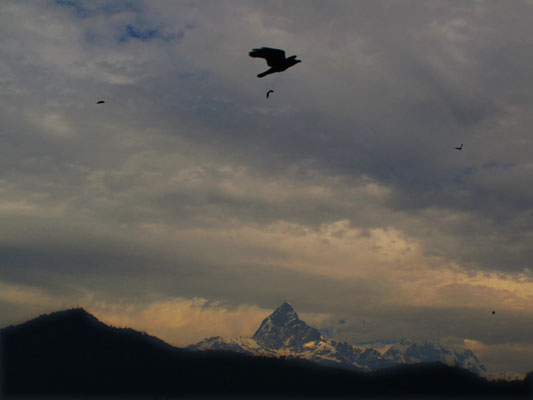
(72, 353)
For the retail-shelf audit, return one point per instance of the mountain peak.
(286, 304)
(283, 328)
(74, 314)
(73, 317)
(284, 312)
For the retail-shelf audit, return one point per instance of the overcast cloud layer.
(188, 205)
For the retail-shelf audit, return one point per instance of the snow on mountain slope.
(410, 352)
(283, 334)
(244, 345)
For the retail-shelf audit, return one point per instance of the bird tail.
(268, 71)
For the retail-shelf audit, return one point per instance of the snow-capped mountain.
(283, 329)
(411, 352)
(283, 334)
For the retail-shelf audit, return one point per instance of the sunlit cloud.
(181, 321)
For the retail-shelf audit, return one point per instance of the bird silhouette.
(268, 93)
(493, 312)
(100, 102)
(460, 147)
(275, 59)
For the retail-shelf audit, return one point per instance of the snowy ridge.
(506, 376)
(411, 352)
(283, 334)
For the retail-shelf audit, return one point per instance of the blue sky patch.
(133, 32)
(497, 164)
(85, 9)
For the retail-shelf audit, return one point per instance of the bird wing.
(272, 56)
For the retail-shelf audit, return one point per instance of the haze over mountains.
(283, 334)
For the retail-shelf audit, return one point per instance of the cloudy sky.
(188, 205)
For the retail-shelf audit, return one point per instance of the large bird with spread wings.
(275, 59)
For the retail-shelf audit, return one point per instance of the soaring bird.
(275, 59)
(460, 147)
(268, 93)
(100, 102)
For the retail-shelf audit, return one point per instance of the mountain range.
(71, 353)
(283, 335)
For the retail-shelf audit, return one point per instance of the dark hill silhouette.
(72, 353)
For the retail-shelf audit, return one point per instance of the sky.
(189, 205)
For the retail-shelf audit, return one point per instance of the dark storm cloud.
(431, 94)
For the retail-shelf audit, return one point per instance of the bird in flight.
(100, 102)
(460, 147)
(268, 93)
(275, 59)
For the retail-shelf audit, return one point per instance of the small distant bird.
(460, 147)
(100, 102)
(275, 59)
(268, 93)
(494, 312)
